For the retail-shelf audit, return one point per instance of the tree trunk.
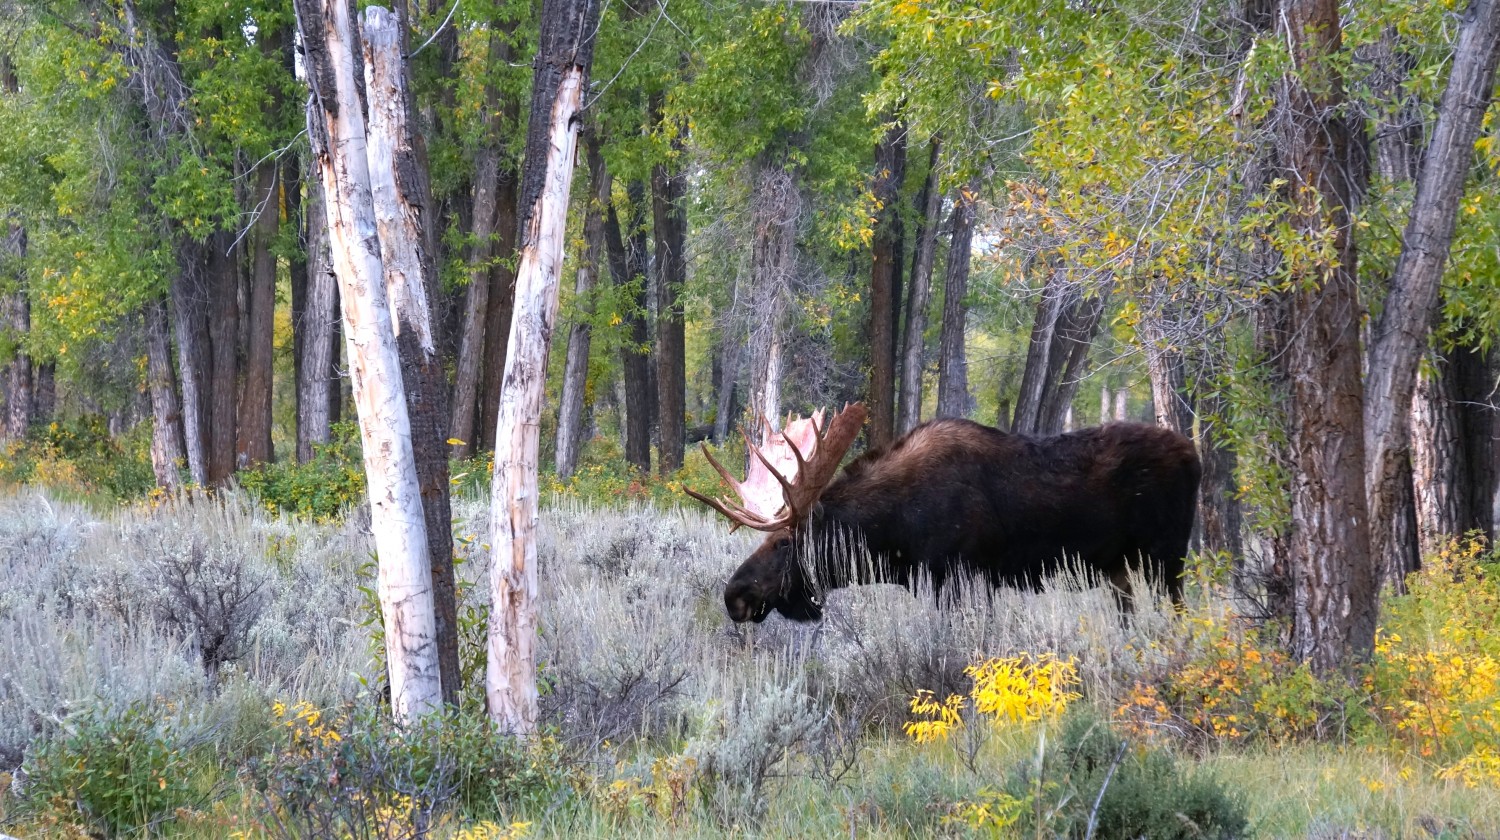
(192, 357)
(1170, 400)
(502, 288)
(398, 191)
(776, 207)
(1474, 376)
(1068, 361)
(1334, 577)
(885, 279)
(563, 57)
(575, 376)
(318, 389)
(913, 338)
(470, 364)
(337, 130)
(1400, 336)
(636, 427)
(167, 452)
(1438, 478)
(1219, 515)
(953, 374)
(731, 351)
(21, 402)
(223, 337)
(254, 442)
(669, 226)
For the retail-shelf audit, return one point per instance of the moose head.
(780, 497)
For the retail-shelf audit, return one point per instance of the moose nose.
(738, 608)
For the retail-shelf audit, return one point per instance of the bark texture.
(337, 130)
(1334, 579)
(167, 452)
(885, 279)
(1400, 336)
(318, 389)
(953, 373)
(223, 336)
(398, 191)
(669, 227)
(564, 54)
(19, 395)
(913, 336)
(253, 445)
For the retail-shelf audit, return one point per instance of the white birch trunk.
(400, 231)
(396, 517)
(510, 678)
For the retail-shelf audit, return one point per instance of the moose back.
(955, 498)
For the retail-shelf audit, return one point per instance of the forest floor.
(662, 719)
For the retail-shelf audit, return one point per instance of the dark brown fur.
(956, 498)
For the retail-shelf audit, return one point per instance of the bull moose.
(954, 498)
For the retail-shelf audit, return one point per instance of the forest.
(356, 362)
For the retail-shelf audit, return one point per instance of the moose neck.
(837, 552)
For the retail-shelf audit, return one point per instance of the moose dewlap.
(952, 499)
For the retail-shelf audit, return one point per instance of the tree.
(1399, 337)
(669, 226)
(1333, 574)
(402, 213)
(953, 377)
(885, 282)
(575, 376)
(564, 54)
(337, 129)
(914, 340)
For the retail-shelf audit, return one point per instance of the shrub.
(1435, 676)
(1017, 689)
(78, 456)
(1229, 683)
(321, 489)
(353, 773)
(1094, 784)
(113, 772)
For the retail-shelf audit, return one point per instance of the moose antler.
(801, 461)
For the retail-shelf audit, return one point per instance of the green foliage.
(113, 772)
(78, 456)
(1104, 787)
(322, 489)
(353, 772)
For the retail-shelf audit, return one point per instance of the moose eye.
(783, 543)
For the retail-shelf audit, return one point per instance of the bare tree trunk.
(192, 357)
(885, 279)
(1170, 399)
(1437, 476)
(254, 442)
(776, 207)
(1335, 595)
(21, 401)
(731, 350)
(575, 377)
(502, 291)
(636, 428)
(1068, 361)
(913, 340)
(318, 389)
(223, 337)
(1400, 336)
(1219, 512)
(399, 194)
(337, 129)
(167, 451)
(564, 54)
(1474, 375)
(472, 335)
(953, 374)
(669, 226)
